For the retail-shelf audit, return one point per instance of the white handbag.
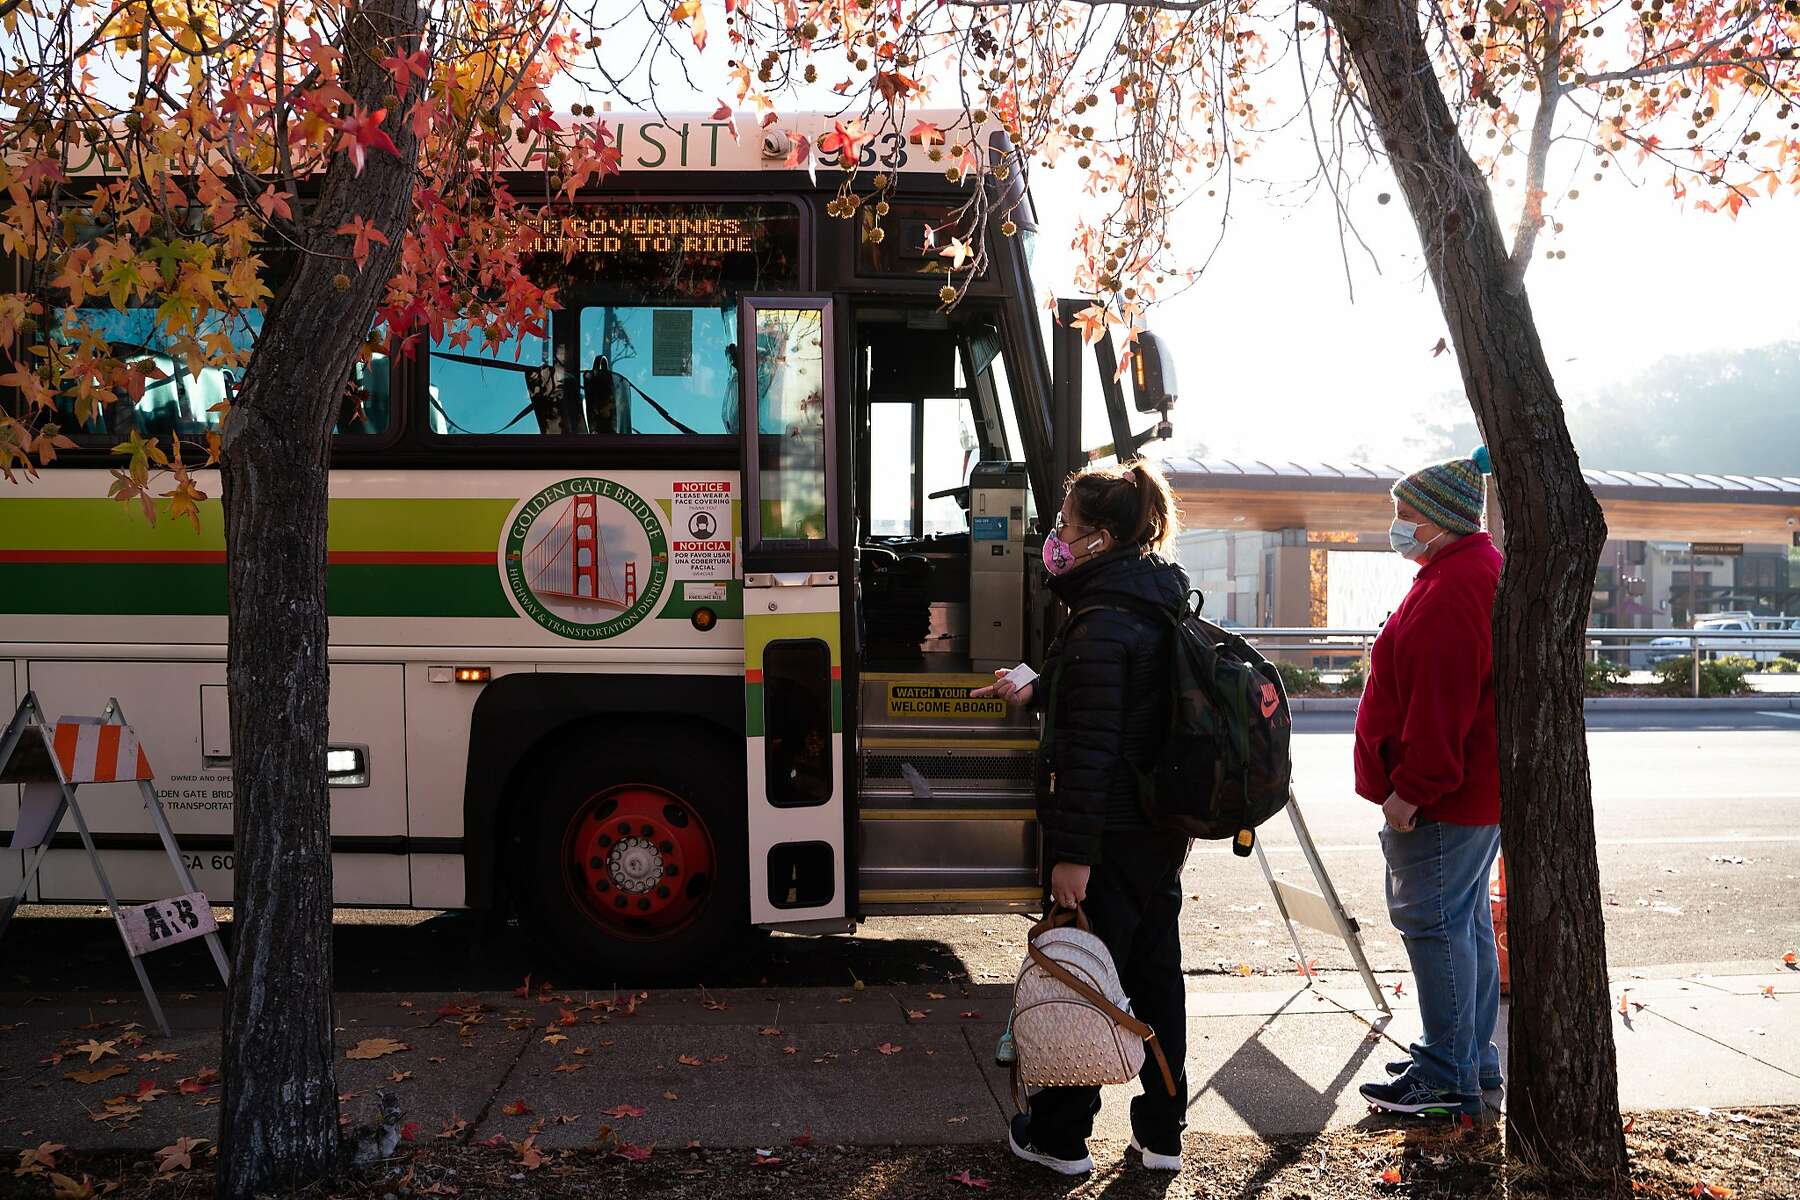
(1072, 1022)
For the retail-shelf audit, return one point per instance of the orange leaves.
(518, 1108)
(1389, 1178)
(1708, 1191)
(178, 1157)
(619, 1111)
(1092, 322)
(404, 68)
(363, 232)
(845, 139)
(361, 132)
(889, 1048)
(1790, 961)
(689, 13)
(370, 1048)
(968, 1179)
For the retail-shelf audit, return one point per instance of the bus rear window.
(645, 341)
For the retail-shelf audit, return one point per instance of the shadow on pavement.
(445, 952)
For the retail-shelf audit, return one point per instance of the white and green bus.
(653, 629)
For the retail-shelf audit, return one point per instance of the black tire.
(703, 773)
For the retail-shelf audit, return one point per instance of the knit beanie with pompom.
(1452, 494)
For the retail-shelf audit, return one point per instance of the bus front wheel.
(636, 868)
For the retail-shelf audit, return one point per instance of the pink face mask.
(1059, 556)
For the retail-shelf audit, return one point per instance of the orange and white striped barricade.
(50, 761)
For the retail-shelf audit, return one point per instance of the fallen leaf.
(972, 1015)
(890, 1048)
(670, 1096)
(1630, 1123)
(409, 1131)
(934, 996)
(518, 1108)
(1443, 344)
(802, 1141)
(95, 1076)
(969, 1180)
(1790, 959)
(688, 1060)
(913, 1014)
(1400, 988)
(454, 1129)
(147, 1091)
(43, 1157)
(567, 1068)
(156, 1056)
(178, 1157)
(1624, 1004)
(633, 1153)
(94, 1049)
(623, 1110)
(790, 1049)
(72, 1189)
(1769, 990)
(530, 1157)
(1243, 968)
(375, 1048)
(1713, 1190)
(551, 1039)
(1389, 1177)
(769, 1031)
(766, 1159)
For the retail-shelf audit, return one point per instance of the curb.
(1775, 703)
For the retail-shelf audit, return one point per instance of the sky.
(1278, 360)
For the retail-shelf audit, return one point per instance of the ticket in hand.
(1020, 675)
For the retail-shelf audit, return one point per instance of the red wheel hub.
(640, 860)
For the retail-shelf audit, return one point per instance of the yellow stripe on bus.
(939, 743)
(949, 814)
(897, 895)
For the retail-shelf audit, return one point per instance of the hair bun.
(1484, 462)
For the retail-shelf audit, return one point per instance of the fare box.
(700, 544)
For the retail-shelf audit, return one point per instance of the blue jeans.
(1437, 896)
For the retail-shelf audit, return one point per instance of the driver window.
(951, 450)
(891, 470)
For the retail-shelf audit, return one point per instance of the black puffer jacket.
(1108, 679)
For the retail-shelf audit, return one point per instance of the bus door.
(793, 651)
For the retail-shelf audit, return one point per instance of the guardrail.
(1345, 647)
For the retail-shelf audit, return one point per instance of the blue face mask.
(1406, 545)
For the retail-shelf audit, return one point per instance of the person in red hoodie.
(1428, 752)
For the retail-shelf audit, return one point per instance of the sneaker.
(1155, 1161)
(1489, 1083)
(1407, 1094)
(1018, 1137)
(1005, 1053)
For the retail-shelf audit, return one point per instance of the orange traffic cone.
(1497, 901)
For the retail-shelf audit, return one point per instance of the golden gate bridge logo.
(585, 558)
(568, 560)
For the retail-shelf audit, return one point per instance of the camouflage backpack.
(1224, 767)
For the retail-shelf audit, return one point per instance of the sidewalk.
(881, 1066)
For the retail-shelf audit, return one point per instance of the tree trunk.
(1563, 1096)
(278, 1123)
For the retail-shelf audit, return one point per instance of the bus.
(655, 629)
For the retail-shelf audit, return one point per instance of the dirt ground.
(1701, 1154)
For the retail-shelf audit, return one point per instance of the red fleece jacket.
(1425, 727)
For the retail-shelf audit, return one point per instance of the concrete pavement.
(875, 1066)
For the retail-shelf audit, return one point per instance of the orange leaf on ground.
(633, 1153)
(518, 1108)
(1790, 959)
(1624, 1003)
(375, 1048)
(890, 1048)
(968, 1180)
(95, 1076)
(803, 1140)
(1389, 1177)
(688, 1060)
(623, 1110)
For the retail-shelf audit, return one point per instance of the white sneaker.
(1155, 1161)
(1021, 1147)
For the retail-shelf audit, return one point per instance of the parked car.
(1747, 646)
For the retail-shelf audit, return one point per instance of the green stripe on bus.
(198, 589)
(422, 524)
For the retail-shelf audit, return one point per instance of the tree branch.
(1159, 5)
(1699, 62)
(1537, 162)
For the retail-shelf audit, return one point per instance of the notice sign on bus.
(700, 533)
(940, 701)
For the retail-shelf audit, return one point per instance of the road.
(1697, 816)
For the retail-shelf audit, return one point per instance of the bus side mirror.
(1153, 386)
